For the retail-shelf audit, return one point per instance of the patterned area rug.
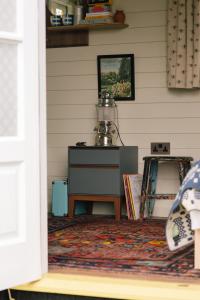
(103, 244)
(58, 223)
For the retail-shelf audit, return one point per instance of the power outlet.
(160, 148)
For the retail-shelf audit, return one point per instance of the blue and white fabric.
(184, 216)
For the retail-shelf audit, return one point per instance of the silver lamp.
(106, 117)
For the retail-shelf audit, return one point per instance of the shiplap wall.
(156, 115)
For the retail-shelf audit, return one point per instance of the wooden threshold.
(114, 288)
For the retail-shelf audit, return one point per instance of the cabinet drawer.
(94, 156)
(94, 181)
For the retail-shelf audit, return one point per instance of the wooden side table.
(148, 192)
(95, 174)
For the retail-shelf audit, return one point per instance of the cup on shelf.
(68, 20)
(56, 20)
(78, 15)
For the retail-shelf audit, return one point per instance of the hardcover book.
(132, 187)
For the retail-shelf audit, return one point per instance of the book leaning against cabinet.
(132, 187)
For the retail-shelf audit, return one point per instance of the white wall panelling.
(157, 114)
(147, 49)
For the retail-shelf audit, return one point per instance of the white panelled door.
(20, 257)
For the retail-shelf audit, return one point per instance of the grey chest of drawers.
(95, 174)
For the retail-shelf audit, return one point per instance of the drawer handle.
(94, 166)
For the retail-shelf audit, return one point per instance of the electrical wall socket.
(160, 148)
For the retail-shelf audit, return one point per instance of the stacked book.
(132, 188)
(99, 12)
(94, 2)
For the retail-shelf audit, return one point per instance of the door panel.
(8, 20)
(8, 89)
(9, 176)
(20, 244)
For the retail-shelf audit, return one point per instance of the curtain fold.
(183, 44)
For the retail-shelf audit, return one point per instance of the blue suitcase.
(60, 200)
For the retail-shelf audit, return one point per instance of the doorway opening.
(91, 244)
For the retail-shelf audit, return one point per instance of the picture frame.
(116, 76)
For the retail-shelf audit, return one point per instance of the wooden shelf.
(88, 27)
(73, 35)
(76, 35)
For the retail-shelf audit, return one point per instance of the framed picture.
(116, 76)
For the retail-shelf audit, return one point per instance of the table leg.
(71, 207)
(117, 205)
(145, 186)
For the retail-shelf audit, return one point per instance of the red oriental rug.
(99, 243)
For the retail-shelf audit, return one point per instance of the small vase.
(119, 16)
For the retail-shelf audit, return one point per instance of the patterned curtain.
(183, 44)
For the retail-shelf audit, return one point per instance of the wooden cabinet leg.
(117, 204)
(71, 206)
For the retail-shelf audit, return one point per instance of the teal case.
(60, 200)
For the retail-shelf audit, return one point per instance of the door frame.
(43, 157)
(43, 133)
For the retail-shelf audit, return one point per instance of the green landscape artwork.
(116, 76)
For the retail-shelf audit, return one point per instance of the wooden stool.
(148, 192)
(95, 198)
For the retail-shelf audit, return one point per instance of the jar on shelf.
(119, 16)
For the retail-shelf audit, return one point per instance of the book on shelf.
(99, 8)
(96, 21)
(93, 2)
(132, 187)
(98, 15)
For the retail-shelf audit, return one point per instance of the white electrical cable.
(117, 125)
